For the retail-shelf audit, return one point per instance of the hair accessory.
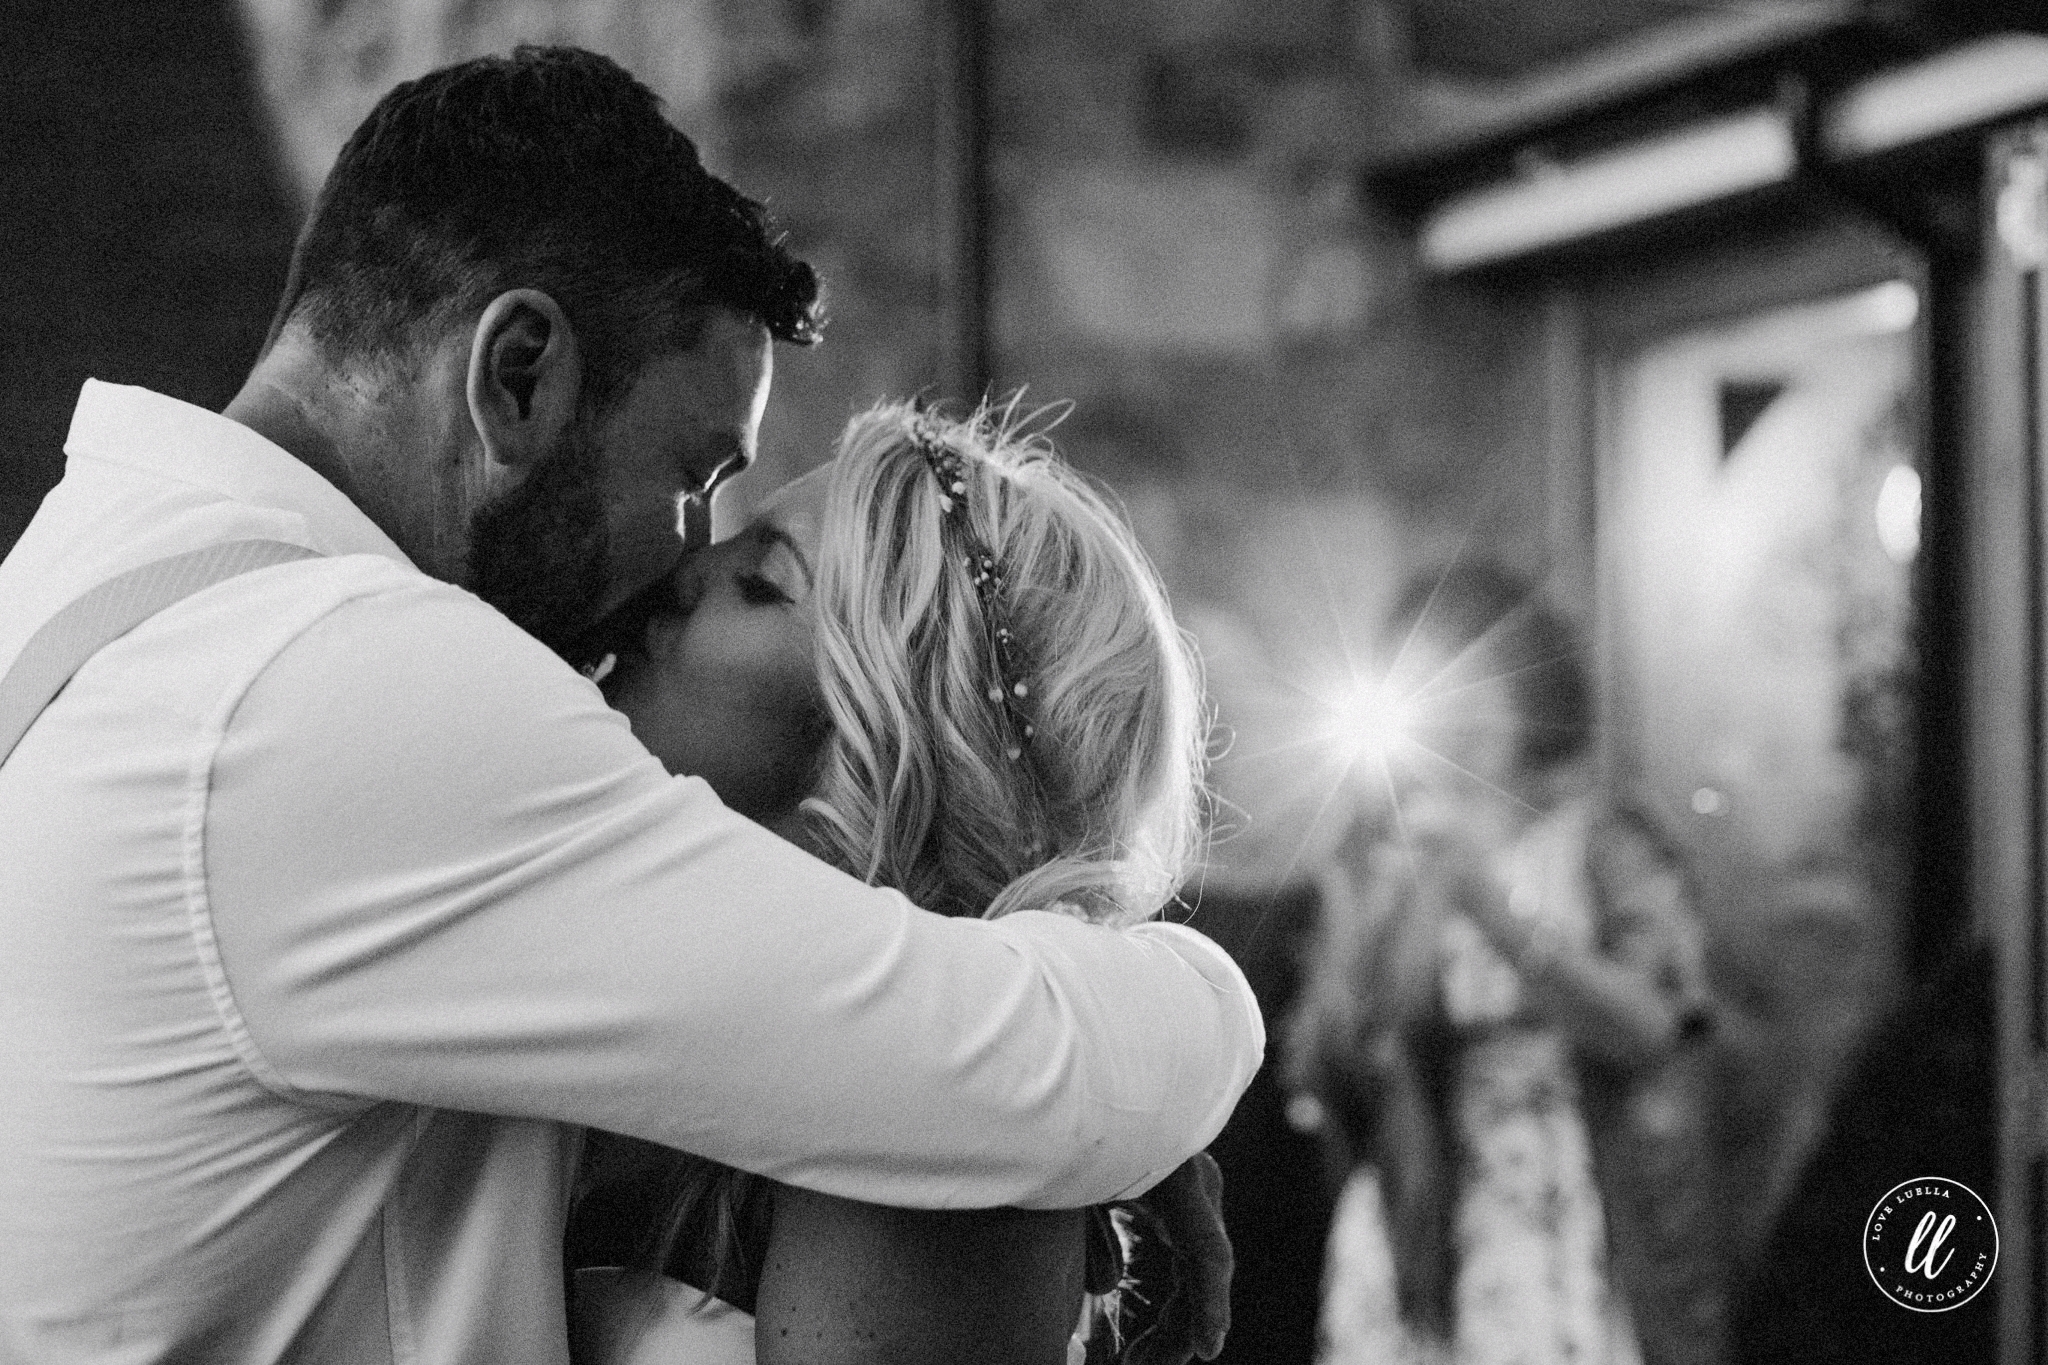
(1007, 689)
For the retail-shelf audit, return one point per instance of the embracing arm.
(439, 870)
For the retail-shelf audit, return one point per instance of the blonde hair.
(1100, 810)
(1100, 813)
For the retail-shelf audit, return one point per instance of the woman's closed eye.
(774, 573)
(761, 591)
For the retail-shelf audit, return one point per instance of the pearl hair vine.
(1007, 688)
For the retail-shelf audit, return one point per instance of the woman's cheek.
(659, 728)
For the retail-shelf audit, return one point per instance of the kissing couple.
(408, 842)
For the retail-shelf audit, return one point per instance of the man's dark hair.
(551, 169)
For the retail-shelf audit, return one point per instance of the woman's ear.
(525, 378)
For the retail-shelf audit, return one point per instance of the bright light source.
(1898, 513)
(1373, 720)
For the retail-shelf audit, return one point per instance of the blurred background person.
(1504, 962)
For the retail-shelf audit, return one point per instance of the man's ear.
(525, 377)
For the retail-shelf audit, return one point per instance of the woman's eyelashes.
(761, 591)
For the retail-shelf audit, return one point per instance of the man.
(334, 903)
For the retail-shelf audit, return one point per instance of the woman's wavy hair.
(1100, 810)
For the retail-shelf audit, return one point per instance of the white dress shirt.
(331, 905)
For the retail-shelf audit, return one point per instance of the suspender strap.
(106, 613)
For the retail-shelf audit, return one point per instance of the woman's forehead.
(798, 507)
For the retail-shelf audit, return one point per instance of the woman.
(1505, 965)
(942, 663)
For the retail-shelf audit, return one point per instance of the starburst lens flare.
(1373, 720)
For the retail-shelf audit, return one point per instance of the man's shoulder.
(370, 615)
(375, 584)
(264, 611)
(371, 622)
(357, 640)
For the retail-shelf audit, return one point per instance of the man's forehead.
(712, 394)
(719, 386)
(727, 341)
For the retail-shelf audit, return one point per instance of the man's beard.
(538, 552)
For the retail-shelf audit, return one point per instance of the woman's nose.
(699, 568)
(689, 579)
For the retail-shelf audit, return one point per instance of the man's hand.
(1184, 1215)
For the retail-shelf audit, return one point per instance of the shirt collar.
(168, 439)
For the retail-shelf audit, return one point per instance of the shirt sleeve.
(439, 870)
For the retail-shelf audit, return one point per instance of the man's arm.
(439, 870)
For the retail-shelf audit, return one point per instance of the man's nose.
(707, 481)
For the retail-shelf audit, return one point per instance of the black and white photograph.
(1024, 682)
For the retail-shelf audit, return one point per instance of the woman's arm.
(1629, 998)
(848, 1283)
(1611, 1010)
(1369, 988)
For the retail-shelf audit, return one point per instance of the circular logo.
(1930, 1244)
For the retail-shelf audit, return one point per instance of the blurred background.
(1721, 321)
